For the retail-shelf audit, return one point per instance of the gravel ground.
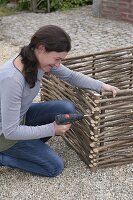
(88, 35)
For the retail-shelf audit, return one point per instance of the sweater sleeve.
(11, 96)
(76, 78)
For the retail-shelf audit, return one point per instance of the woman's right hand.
(60, 130)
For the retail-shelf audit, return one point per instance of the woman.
(23, 123)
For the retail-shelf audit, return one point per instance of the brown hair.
(53, 38)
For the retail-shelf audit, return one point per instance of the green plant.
(24, 4)
(67, 4)
(56, 4)
(6, 11)
(3, 2)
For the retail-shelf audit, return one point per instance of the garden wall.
(114, 9)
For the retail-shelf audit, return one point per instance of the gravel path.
(88, 35)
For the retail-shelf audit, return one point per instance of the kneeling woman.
(23, 124)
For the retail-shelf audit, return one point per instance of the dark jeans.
(34, 155)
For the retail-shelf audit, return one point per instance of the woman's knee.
(58, 168)
(68, 106)
(55, 168)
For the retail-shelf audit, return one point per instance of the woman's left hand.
(109, 88)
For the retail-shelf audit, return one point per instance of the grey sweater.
(16, 98)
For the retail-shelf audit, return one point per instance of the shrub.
(67, 4)
(54, 4)
(3, 2)
(24, 4)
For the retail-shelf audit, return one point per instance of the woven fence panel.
(105, 138)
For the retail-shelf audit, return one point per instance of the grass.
(6, 11)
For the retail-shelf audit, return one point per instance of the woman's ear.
(41, 49)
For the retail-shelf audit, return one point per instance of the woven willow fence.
(105, 138)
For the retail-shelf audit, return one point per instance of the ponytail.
(30, 65)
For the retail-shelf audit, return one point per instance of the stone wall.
(114, 9)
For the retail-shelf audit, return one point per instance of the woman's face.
(47, 60)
